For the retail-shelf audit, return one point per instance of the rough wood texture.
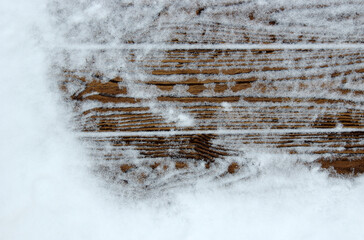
(156, 113)
(257, 22)
(227, 89)
(268, 93)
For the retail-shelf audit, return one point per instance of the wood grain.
(217, 154)
(270, 89)
(171, 112)
(242, 22)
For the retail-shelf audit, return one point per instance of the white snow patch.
(172, 114)
(227, 106)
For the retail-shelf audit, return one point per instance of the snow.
(48, 192)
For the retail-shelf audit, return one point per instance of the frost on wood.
(160, 104)
(278, 21)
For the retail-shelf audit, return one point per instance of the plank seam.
(150, 46)
(217, 132)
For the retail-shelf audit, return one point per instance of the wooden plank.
(208, 147)
(149, 158)
(190, 89)
(270, 89)
(201, 92)
(216, 117)
(258, 22)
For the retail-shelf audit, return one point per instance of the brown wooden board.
(212, 22)
(203, 89)
(224, 89)
(148, 160)
(198, 111)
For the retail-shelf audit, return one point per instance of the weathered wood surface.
(187, 106)
(161, 113)
(226, 89)
(259, 22)
(152, 157)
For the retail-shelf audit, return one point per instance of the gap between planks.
(207, 46)
(218, 132)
